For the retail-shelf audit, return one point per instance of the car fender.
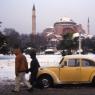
(92, 76)
(43, 71)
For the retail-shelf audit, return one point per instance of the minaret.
(33, 20)
(88, 27)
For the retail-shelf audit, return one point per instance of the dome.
(66, 19)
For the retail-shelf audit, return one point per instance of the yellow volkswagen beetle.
(72, 69)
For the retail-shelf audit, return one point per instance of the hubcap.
(45, 83)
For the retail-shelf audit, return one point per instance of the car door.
(70, 72)
(87, 68)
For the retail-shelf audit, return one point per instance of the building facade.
(67, 25)
(61, 27)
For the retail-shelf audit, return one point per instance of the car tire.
(45, 81)
(93, 81)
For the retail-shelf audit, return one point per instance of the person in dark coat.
(34, 66)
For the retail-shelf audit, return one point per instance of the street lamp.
(80, 43)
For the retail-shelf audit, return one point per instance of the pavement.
(7, 86)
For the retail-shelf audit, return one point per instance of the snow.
(7, 64)
(6, 67)
(66, 19)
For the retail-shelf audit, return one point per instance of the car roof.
(88, 56)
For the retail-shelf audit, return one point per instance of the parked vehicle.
(72, 69)
(49, 51)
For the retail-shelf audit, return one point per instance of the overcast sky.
(17, 14)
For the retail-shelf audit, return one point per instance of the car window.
(86, 62)
(73, 63)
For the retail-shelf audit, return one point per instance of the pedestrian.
(21, 67)
(34, 66)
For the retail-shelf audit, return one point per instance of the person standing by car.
(21, 66)
(34, 66)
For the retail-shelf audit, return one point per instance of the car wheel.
(45, 81)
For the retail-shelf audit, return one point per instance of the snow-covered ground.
(7, 64)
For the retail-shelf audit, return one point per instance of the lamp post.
(80, 43)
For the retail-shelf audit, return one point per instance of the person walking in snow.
(21, 66)
(34, 66)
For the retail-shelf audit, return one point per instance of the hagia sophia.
(59, 28)
(63, 26)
